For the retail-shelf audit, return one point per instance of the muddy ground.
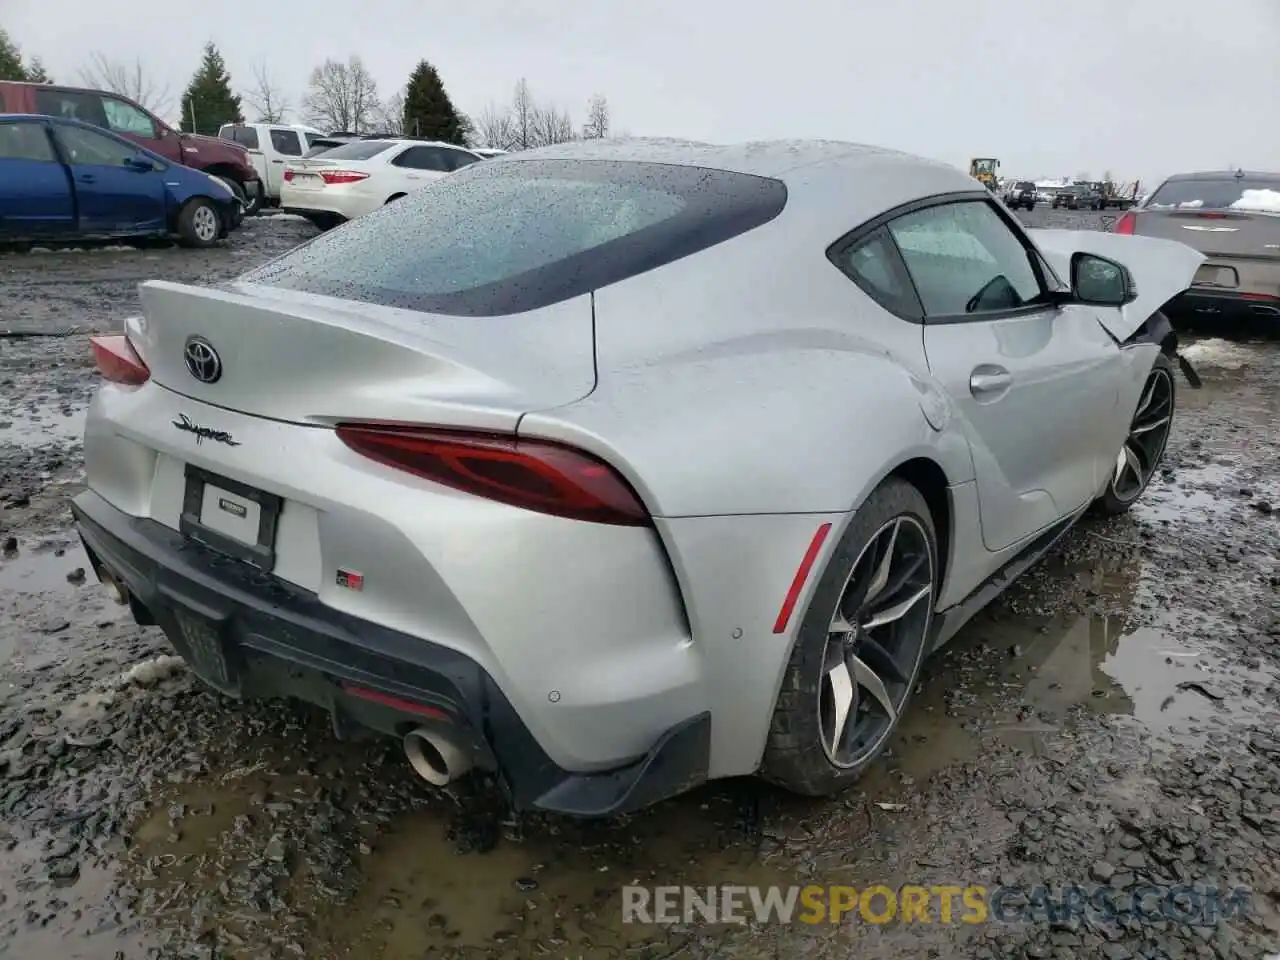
(1111, 722)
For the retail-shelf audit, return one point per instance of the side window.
(72, 105)
(423, 158)
(286, 142)
(25, 141)
(86, 147)
(126, 118)
(247, 137)
(457, 159)
(874, 265)
(964, 259)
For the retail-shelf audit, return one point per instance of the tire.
(796, 756)
(1120, 494)
(199, 223)
(250, 208)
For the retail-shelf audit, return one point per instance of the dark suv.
(1021, 194)
(1079, 196)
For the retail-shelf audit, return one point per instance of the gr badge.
(350, 579)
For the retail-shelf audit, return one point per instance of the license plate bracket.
(202, 641)
(199, 483)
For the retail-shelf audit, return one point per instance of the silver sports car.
(618, 467)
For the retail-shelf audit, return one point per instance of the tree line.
(341, 95)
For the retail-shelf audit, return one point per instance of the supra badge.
(187, 425)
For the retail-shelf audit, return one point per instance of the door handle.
(989, 382)
(87, 178)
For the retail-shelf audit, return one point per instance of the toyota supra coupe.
(616, 467)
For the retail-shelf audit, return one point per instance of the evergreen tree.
(36, 73)
(428, 111)
(10, 59)
(208, 102)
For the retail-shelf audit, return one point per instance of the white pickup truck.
(270, 146)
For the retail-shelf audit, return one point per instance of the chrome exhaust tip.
(435, 758)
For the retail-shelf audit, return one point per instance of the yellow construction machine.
(985, 169)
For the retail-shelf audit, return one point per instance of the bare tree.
(494, 128)
(524, 123)
(342, 96)
(523, 113)
(390, 117)
(103, 73)
(265, 97)
(597, 125)
(552, 125)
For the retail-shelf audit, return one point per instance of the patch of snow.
(149, 671)
(1265, 201)
(1219, 353)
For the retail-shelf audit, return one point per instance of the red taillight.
(1260, 297)
(288, 176)
(532, 474)
(332, 177)
(117, 360)
(1125, 223)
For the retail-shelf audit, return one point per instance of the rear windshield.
(1252, 194)
(322, 146)
(245, 136)
(1024, 185)
(359, 150)
(503, 238)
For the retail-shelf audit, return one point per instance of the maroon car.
(223, 159)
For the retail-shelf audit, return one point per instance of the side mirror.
(1100, 281)
(140, 164)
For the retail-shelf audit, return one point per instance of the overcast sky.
(1052, 87)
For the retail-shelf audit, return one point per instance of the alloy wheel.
(204, 222)
(1148, 433)
(875, 642)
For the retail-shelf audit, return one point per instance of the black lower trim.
(947, 623)
(325, 218)
(250, 634)
(1221, 306)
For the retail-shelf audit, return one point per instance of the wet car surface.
(1113, 721)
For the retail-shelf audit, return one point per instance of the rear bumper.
(1223, 307)
(314, 213)
(275, 639)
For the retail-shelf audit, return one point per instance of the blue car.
(63, 180)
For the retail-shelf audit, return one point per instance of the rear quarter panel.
(755, 377)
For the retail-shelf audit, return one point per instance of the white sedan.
(358, 177)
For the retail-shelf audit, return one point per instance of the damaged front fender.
(1161, 269)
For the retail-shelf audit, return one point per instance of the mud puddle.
(267, 833)
(36, 567)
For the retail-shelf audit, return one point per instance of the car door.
(35, 194)
(285, 145)
(1030, 373)
(133, 123)
(114, 196)
(416, 167)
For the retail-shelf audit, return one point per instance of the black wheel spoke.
(876, 640)
(880, 660)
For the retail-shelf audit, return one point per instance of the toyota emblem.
(203, 361)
